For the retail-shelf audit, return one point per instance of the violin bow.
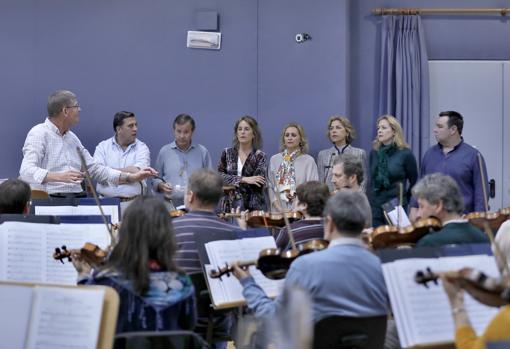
(502, 262)
(400, 202)
(94, 194)
(275, 190)
(167, 198)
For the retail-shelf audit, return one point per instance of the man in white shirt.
(50, 154)
(123, 152)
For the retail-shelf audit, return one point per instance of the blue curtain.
(404, 79)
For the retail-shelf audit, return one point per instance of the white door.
(505, 151)
(474, 89)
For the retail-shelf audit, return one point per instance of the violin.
(488, 290)
(90, 253)
(256, 219)
(393, 236)
(494, 219)
(176, 213)
(273, 262)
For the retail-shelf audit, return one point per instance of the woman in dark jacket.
(391, 163)
(244, 166)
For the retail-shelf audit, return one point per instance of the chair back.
(340, 332)
(159, 340)
(213, 325)
(39, 194)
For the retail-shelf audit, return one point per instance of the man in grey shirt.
(178, 160)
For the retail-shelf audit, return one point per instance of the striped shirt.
(186, 227)
(303, 231)
(47, 150)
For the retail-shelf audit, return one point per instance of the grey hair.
(351, 165)
(58, 100)
(207, 185)
(348, 210)
(439, 187)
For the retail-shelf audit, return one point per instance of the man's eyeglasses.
(75, 106)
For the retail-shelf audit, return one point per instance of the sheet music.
(22, 251)
(423, 314)
(226, 290)
(15, 302)
(398, 217)
(111, 210)
(26, 250)
(72, 236)
(227, 251)
(61, 316)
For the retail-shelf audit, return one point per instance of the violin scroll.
(90, 253)
(62, 253)
(227, 269)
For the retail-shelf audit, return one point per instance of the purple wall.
(125, 54)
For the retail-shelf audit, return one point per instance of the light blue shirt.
(110, 153)
(176, 165)
(343, 280)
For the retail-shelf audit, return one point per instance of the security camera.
(302, 37)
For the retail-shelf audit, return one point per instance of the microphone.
(160, 178)
(328, 167)
(330, 161)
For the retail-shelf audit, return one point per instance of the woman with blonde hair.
(341, 133)
(391, 163)
(291, 167)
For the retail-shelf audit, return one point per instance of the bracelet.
(126, 177)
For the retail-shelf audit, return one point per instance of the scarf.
(382, 176)
(286, 174)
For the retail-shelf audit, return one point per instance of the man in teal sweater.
(439, 196)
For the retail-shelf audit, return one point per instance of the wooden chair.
(39, 194)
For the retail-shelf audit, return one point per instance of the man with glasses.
(50, 154)
(178, 160)
(123, 152)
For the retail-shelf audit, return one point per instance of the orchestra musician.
(311, 199)
(154, 294)
(14, 197)
(391, 162)
(292, 167)
(244, 165)
(50, 157)
(204, 191)
(124, 152)
(347, 173)
(503, 240)
(341, 133)
(178, 160)
(345, 279)
(439, 196)
(465, 335)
